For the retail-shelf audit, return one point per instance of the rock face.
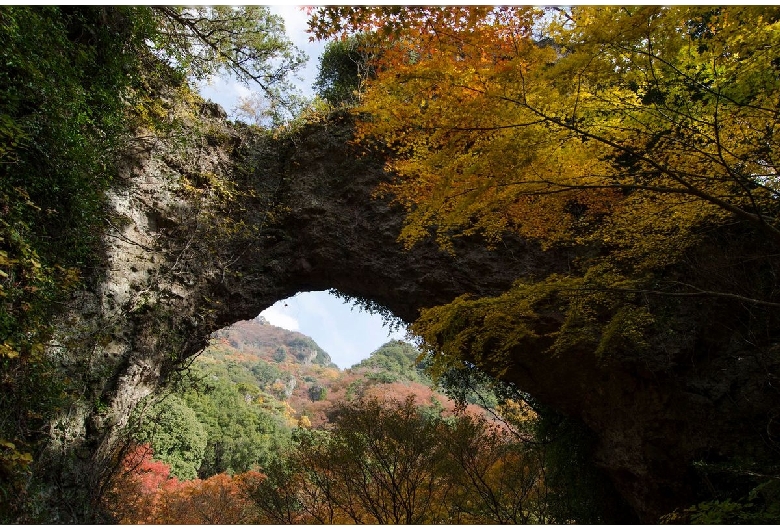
(216, 227)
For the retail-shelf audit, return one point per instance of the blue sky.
(347, 333)
(227, 91)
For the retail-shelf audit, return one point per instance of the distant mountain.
(273, 343)
(290, 367)
(256, 382)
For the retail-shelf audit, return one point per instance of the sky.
(227, 91)
(347, 333)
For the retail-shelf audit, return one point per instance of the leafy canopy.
(563, 124)
(247, 41)
(76, 82)
(624, 131)
(638, 146)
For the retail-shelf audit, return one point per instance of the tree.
(277, 498)
(344, 65)
(218, 500)
(240, 434)
(396, 462)
(132, 493)
(380, 464)
(75, 84)
(173, 431)
(625, 136)
(144, 493)
(502, 478)
(317, 392)
(387, 456)
(247, 41)
(636, 148)
(593, 113)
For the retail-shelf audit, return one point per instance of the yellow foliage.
(625, 131)
(616, 120)
(7, 351)
(304, 422)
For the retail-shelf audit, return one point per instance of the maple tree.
(544, 121)
(143, 492)
(625, 134)
(395, 461)
(638, 146)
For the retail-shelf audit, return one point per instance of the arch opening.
(340, 326)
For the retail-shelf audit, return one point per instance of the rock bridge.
(216, 224)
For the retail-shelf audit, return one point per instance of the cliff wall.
(213, 222)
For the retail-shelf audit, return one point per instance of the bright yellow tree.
(547, 121)
(624, 131)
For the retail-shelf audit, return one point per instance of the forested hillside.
(263, 418)
(253, 368)
(574, 209)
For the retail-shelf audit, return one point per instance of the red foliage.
(143, 492)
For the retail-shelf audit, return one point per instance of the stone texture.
(218, 223)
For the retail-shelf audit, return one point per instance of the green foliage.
(65, 127)
(760, 506)
(241, 434)
(266, 373)
(344, 64)
(317, 392)
(65, 74)
(247, 41)
(280, 354)
(172, 429)
(393, 361)
(467, 384)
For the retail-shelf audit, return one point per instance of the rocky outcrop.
(214, 222)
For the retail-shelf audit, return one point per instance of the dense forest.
(586, 253)
(265, 429)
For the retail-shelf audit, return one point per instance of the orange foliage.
(143, 492)
(587, 124)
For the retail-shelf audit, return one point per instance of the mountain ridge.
(292, 368)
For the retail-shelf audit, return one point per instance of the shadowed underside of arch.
(214, 230)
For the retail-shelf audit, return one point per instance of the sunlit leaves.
(546, 123)
(143, 492)
(624, 133)
(247, 41)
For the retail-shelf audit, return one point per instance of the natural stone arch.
(211, 225)
(217, 227)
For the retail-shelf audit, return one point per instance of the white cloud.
(345, 332)
(276, 316)
(295, 21)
